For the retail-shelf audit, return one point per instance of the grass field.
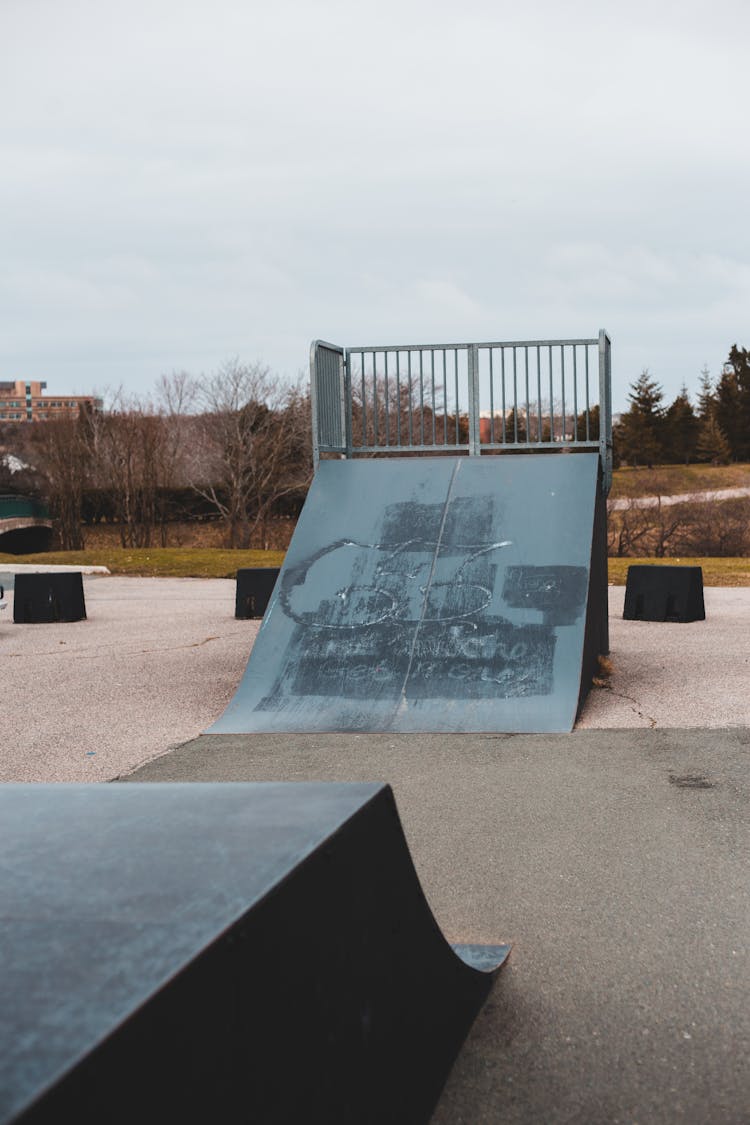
(190, 562)
(158, 562)
(209, 562)
(669, 480)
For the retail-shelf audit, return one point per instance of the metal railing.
(477, 399)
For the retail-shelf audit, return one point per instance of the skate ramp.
(434, 594)
(225, 953)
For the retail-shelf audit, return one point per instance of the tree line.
(234, 444)
(715, 431)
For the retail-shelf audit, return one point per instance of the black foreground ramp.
(199, 953)
(434, 594)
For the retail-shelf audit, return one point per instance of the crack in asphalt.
(631, 699)
(119, 651)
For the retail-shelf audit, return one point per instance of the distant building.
(24, 402)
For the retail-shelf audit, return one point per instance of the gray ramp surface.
(428, 594)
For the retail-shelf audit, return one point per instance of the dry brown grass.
(671, 480)
(604, 672)
(157, 562)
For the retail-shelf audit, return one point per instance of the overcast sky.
(183, 181)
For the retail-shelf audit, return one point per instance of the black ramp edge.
(255, 952)
(596, 632)
(434, 594)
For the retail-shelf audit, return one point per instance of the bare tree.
(392, 411)
(63, 457)
(668, 523)
(177, 394)
(177, 398)
(255, 445)
(628, 529)
(717, 528)
(125, 444)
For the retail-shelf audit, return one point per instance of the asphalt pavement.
(615, 859)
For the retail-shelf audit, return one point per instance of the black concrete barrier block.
(254, 588)
(42, 598)
(222, 953)
(664, 593)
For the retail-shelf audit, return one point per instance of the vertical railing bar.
(551, 399)
(432, 370)
(386, 403)
(575, 393)
(377, 399)
(421, 395)
(608, 431)
(539, 427)
(398, 398)
(492, 401)
(349, 422)
(605, 410)
(364, 399)
(411, 419)
(371, 357)
(505, 416)
(588, 431)
(330, 413)
(526, 368)
(472, 359)
(348, 398)
(455, 370)
(515, 398)
(445, 400)
(562, 380)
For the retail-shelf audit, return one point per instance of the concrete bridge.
(25, 525)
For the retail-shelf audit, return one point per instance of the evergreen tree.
(681, 430)
(706, 396)
(712, 443)
(642, 428)
(515, 426)
(732, 408)
(739, 358)
(593, 426)
(728, 412)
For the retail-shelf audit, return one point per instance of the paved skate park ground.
(615, 859)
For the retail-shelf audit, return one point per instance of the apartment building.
(24, 402)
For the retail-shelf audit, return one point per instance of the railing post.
(605, 410)
(328, 401)
(314, 407)
(346, 401)
(474, 435)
